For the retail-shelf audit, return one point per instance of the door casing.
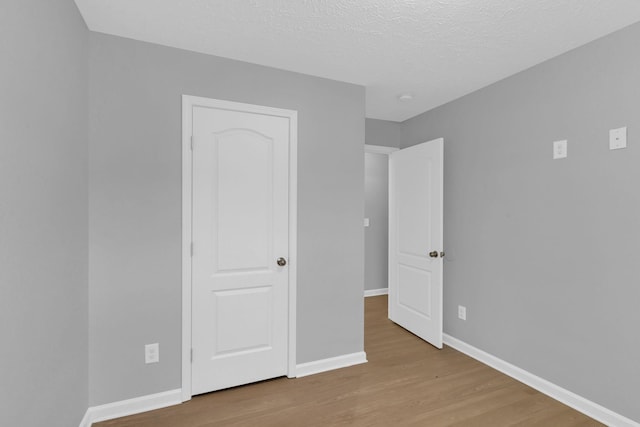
(188, 103)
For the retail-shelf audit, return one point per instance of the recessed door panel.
(413, 208)
(414, 290)
(242, 321)
(243, 200)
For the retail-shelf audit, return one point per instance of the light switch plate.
(618, 138)
(560, 149)
(366, 222)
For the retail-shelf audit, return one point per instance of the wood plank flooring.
(405, 383)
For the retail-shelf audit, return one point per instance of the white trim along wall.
(188, 103)
(376, 292)
(324, 365)
(127, 407)
(379, 149)
(579, 403)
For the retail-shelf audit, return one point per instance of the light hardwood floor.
(405, 383)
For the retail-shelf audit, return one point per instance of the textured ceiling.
(437, 50)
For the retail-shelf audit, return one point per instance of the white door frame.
(188, 102)
(379, 149)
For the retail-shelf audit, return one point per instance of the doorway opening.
(415, 242)
(376, 219)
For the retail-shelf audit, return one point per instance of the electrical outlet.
(618, 138)
(462, 312)
(152, 353)
(559, 149)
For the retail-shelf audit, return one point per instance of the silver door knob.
(433, 254)
(281, 262)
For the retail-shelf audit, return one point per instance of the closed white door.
(240, 247)
(416, 240)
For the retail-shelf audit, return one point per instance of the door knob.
(281, 262)
(433, 254)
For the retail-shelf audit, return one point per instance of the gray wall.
(135, 206)
(382, 132)
(43, 214)
(545, 253)
(376, 208)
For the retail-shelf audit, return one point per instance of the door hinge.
(191, 142)
(191, 355)
(191, 248)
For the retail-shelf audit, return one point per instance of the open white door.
(415, 239)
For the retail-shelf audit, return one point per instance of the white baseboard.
(85, 420)
(131, 406)
(310, 368)
(376, 292)
(579, 403)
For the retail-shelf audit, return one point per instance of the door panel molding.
(188, 104)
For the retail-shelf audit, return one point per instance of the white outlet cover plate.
(152, 353)
(618, 138)
(560, 149)
(462, 312)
